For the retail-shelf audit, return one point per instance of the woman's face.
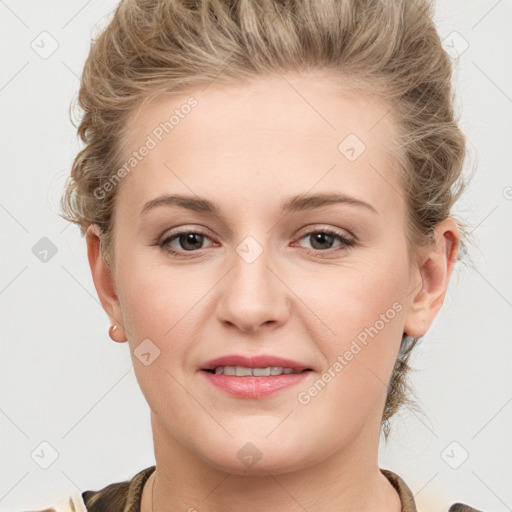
(325, 284)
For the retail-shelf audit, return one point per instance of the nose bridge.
(252, 276)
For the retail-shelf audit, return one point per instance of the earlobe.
(432, 279)
(103, 280)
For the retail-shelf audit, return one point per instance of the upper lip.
(260, 361)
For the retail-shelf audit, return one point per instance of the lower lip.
(254, 387)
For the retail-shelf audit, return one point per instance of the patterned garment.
(125, 496)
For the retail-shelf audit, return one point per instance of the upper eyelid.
(338, 231)
(165, 239)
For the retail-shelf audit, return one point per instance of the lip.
(259, 361)
(253, 387)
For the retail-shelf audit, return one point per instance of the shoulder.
(407, 497)
(461, 507)
(73, 503)
(120, 496)
(116, 497)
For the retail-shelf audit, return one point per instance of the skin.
(248, 148)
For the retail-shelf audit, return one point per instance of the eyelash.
(346, 243)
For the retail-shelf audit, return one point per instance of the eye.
(184, 241)
(322, 241)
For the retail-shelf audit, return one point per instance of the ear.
(103, 281)
(432, 276)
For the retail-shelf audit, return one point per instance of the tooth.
(261, 372)
(243, 372)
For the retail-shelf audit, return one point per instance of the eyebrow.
(298, 203)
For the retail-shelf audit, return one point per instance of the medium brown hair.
(389, 48)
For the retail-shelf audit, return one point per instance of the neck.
(348, 480)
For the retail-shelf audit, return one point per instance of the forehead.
(320, 105)
(291, 131)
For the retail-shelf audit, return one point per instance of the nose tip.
(252, 297)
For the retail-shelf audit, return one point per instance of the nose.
(253, 294)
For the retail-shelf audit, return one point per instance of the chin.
(262, 467)
(257, 456)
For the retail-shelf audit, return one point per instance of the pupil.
(322, 238)
(191, 238)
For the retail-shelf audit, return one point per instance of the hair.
(388, 48)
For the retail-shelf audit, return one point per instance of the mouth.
(244, 371)
(256, 365)
(253, 377)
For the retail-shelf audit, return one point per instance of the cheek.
(350, 299)
(155, 296)
(167, 306)
(162, 306)
(357, 324)
(351, 389)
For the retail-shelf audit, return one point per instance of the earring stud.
(112, 330)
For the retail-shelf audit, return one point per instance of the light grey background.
(64, 382)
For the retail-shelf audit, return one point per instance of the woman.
(266, 192)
